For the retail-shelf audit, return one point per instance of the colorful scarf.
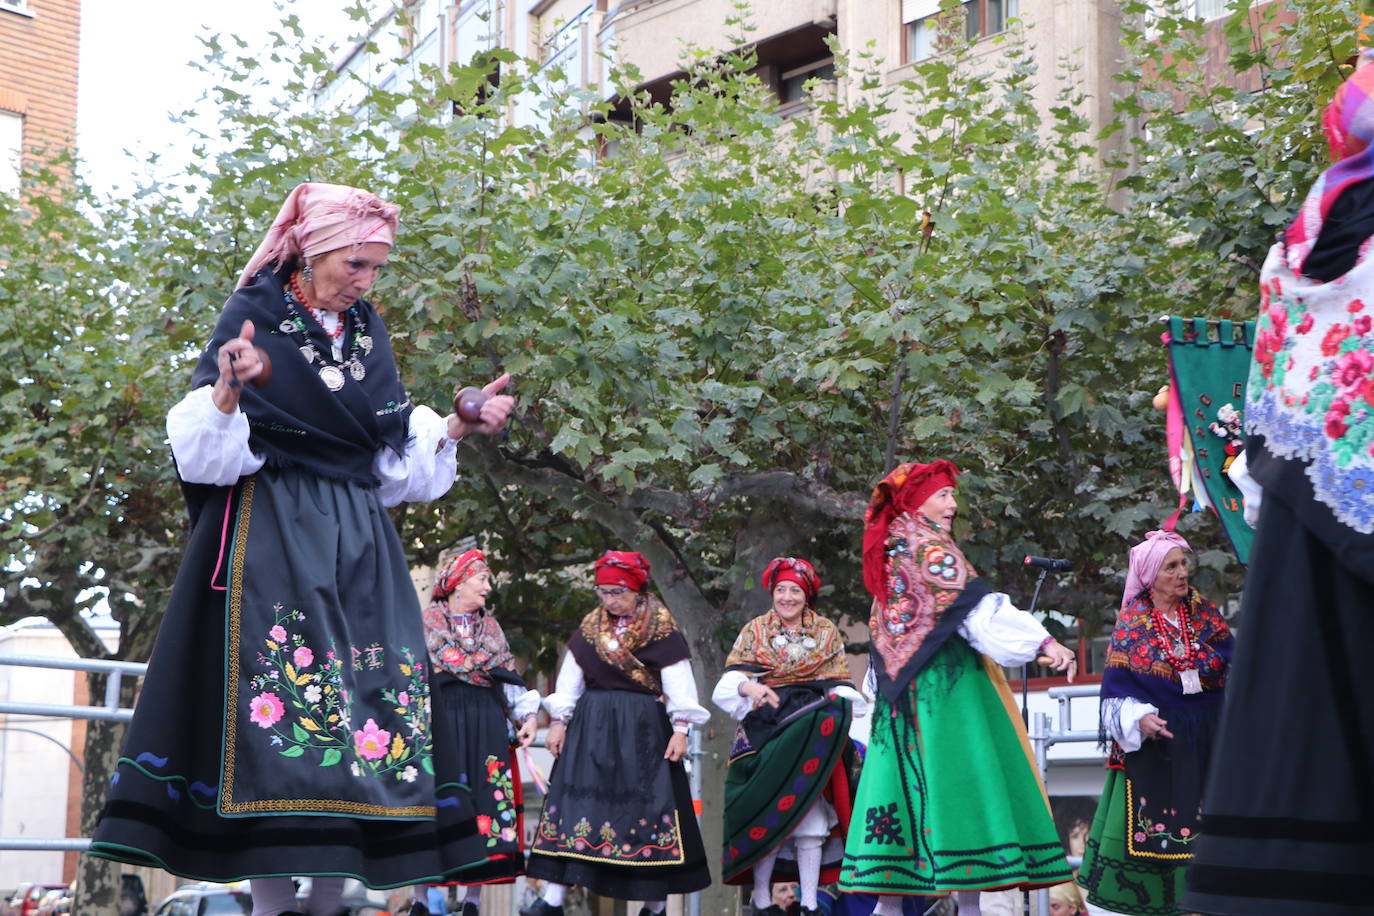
(902, 492)
(472, 657)
(765, 647)
(793, 569)
(316, 218)
(1349, 125)
(456, 571)
(930, 588)
(650, 623)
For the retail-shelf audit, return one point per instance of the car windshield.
(226, 905)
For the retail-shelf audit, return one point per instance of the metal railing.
(110, 711)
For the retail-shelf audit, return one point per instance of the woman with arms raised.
(283, 727)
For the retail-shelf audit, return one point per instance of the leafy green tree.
(725, 325)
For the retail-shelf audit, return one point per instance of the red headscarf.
(457, 571)
(903, 491)
(623, 567)
(793, 569)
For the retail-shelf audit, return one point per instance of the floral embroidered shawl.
(930, 589)
(1138, 668)
(635, 656)
(757, 652)
(474, 663)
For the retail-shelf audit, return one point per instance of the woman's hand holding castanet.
(1060, 658)
(677, 747)
(1152, 726)
(239, 361)
(553, 741)
(494, 412)
(759, 694)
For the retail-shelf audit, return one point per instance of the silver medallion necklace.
(330, 370)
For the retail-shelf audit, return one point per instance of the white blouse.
(679, 693)
(211, 446)
(726, 695)
(522, 703)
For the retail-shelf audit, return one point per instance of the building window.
(792, 85)
(1209, 9)
(11, 151)
(921, 23)
(987, 17)
(16, 6)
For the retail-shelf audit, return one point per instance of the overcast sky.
(135, 57)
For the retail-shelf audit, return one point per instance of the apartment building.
(38, 59)
(793, 39)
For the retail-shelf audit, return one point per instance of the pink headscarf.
(1146, 559)
(322, 217)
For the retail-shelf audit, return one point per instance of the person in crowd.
(1287, 813)
(1160, 702)
(618, 818)
(284, 724)
(949, 801)
(787, 793)
(483, 708)
(1066, 901)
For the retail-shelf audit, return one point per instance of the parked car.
(27, 896)
(207, 899)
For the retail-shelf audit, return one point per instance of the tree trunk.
(96, 891)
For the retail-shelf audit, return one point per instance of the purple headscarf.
(1146, 559)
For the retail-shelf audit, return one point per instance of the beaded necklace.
(1182, 652)
(331, 371)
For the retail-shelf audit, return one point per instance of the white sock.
(473, 894)
(808, 869)
(553, 893)
(421, 893)
(272, 896)
(888, 905)
(968, 902)
(763, 880)
(656, 906)
(326, 896)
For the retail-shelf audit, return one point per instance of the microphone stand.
(1025, 668)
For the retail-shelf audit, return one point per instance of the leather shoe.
(469, 908)
(417, 909)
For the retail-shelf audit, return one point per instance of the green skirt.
(948, 800)
(1116, 881)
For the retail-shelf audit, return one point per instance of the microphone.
(1047, 563)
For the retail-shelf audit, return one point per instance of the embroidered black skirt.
(284, 725)
(485, 772)
(1288, 816)
(618, 818)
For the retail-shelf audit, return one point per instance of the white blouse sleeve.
(680, 692)
(569, 686)
(1124, 727)
(727, 696)
(522, 703)
(427, 469)
(856, 700)
(210, 446)
(1001, 632)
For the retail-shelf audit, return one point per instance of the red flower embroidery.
(1354, 306)
(484, 825)
(811, 766)
(828, 726)
(1353, 369)
(1362, 324)
(1331, 343)
(1305, 325)
(1336, 427)
(758, 833)
(787, 801)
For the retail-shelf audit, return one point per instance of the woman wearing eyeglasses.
(618, 818)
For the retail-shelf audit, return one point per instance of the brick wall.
(38, 66)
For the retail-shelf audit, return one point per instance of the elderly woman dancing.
(478, 700)
(949, 796)
(283, 728)
(618, 818)
(787, 793)
(1289, 809)
(1161, 699)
